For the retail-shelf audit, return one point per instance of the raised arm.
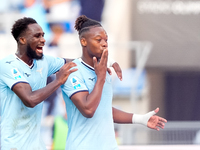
(88, 103)
(32, 98)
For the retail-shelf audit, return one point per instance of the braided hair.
(83, 24)
(20, 26)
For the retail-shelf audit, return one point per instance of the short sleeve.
(74, 84)
(11, 75)
(54, 64)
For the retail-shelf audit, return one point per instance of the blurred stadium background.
(156, 43)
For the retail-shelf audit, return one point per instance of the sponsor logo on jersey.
(16, 74)
(27, 74)
(92, 79)
(75, 83)
(9, 62)
(40, 71)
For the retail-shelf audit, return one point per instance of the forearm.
(32, 98)
(121, 116)
(42, 94)
(93, 99)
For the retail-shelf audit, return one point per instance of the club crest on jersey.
(16, 73)
(75, 83)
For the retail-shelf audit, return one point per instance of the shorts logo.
(75, 83)
(16, 73)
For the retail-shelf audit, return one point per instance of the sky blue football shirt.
(96, 133)
(20, 125)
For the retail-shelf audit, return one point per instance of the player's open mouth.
(40, 49)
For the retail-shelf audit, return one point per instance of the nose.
(42, 39)
(104, 43)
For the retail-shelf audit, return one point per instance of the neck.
(24, 58)
(88, 61)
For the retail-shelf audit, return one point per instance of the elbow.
(88, 114)
(29, 104)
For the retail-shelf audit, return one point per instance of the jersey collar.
(31, 66)
(90, 67)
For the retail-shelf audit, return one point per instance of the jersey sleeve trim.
(65, 61)
(78, 92)
(17, 83)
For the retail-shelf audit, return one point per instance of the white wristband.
(110, 62)
(142, 119)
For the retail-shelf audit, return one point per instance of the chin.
(39, 57)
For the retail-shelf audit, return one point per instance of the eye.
(99, 40)
(39, 35)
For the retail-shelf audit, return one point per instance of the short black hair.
(84, 23)
(20, 26)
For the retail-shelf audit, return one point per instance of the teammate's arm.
(118, 70)
(68, 60)
(111, 63)
(32, 98)
(116, 67)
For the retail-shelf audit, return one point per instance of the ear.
(22, 40)
(83, 42)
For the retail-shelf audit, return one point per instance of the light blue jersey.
(96, 133)
(20, 125)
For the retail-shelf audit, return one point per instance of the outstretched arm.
(150, 119)
(121, 116)
(156, 122)
(32, 98)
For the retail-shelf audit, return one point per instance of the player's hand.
(65, 71)
(156, 122)
(118, 70)
(101, 67)
(116, 67)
